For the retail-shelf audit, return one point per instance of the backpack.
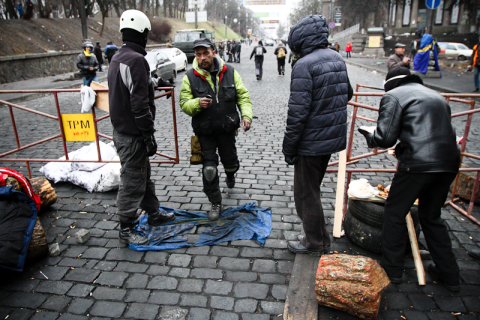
(281, 53)
(259, 51)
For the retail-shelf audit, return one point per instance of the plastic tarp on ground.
(244, 222)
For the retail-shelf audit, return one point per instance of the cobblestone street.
(103, 279)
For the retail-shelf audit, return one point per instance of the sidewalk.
(61, 81)
(453, 80)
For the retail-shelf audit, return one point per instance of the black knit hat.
(399, 76)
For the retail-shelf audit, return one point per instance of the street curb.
(31, 96)
(431, 86)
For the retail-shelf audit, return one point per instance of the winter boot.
(157, 218)
(214, 212)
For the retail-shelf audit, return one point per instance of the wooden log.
(47, 193)
(353, 284)
(38, 247)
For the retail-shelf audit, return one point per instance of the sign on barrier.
(78, 127)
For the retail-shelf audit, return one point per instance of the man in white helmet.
(132, 112)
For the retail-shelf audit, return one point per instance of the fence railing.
(346, 32)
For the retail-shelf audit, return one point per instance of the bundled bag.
(18, 214)
(196, 148)
(281, 53)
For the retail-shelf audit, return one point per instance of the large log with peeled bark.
(47, 193)
(353, 284)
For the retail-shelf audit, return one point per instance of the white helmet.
(136, 20)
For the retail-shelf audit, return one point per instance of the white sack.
(87, 96)
(90, 153)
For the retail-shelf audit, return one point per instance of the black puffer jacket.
(319, 93)
(421, 119)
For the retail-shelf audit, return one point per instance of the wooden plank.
(337, 222)
(301, 301)
(416, 252)
(101, 102)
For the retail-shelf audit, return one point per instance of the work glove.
(291, 160)
(151, 145)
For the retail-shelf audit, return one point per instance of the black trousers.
(431, 189)
(225, 144)
(136, 189)
(259, 67)
(308, 176)
(281, 65)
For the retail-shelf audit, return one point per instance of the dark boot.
(214, 212)
(129, 236)
(230, 180)
(455, 287)
(157, 218)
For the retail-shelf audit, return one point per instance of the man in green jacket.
(210, 94)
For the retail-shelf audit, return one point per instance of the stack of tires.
(363, 224)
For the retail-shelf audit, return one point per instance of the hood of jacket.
(309, 34)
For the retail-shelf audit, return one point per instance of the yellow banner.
(78, 127)
(374, 41)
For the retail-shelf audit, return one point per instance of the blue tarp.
(420, 62)
(244, 222)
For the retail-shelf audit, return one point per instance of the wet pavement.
(103, 279)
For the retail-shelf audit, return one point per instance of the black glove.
(291, 160)
(367, 135)
(151, 145)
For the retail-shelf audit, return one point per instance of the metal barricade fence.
(454, 97)
(170, 159)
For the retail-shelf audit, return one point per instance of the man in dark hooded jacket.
(428, 159)
(258, 52)
(132, 113)
(316, 124)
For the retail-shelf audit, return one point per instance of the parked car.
(453, 50)
(161, 66)
(176, 55)
(269, 42)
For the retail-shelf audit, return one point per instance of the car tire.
(174, 77)
(372, 213)
(462, 58)
(366, 236)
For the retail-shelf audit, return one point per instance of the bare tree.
(10, 12)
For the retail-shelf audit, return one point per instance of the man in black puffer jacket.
(428, 163)
(316, 124)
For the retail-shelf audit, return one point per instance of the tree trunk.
(117, 9)
(103, 21)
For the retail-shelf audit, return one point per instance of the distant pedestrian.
(475, 63)
(20, 11)
(316, 125)
(348, 50)
(170, 44)
(234, 51)
(281, 53)
(337, 47)
(292, 58)
(413, 48)
(258, 52)
(29, 10)
(238, 51)
(398, 59)
(221, 50)
(88, 64)
(99, 55)
(229, 51)
(110, 50)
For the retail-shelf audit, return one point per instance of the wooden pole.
(342, 167)
(416, 252)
